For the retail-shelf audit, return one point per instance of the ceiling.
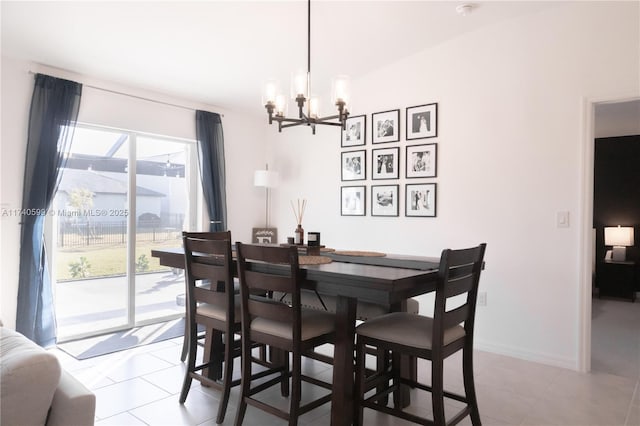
(221, 52)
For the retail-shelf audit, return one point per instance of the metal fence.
(112, 233)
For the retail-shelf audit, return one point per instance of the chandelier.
(308, 105)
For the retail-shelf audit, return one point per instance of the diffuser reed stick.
(298, 209)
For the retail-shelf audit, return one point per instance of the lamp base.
(619, 253)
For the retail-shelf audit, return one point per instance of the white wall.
(244, 152)
(510, 101)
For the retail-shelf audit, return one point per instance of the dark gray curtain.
(54, 111)
(212, 171)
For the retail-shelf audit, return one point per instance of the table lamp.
(619, 237)
(266, 179)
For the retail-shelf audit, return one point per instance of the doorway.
(622, 116)
(121, 194)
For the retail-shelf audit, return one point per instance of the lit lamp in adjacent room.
(266, 179)
(619, 237)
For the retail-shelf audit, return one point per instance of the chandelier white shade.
(308, 105)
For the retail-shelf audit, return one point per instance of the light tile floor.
(141, 386)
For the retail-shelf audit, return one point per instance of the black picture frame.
(422, 121)
(353, 200)
(385, 163)
(355, 133)
(353, 165)
(420, 200)
(421, 161)
(385, 126)
(385, 200)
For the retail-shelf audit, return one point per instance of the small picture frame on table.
(385, 126)
(264, 236)
(385, 163)
(421, 161)
(384, 200)
(353, 200)
(422, 121)
(420, 200)
(353, 165)
(355, 132)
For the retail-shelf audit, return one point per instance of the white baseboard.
(542, 358)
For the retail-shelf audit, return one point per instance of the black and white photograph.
(384, 200)
(265, 235)
(386, 126)
(422, 160)
(422, 121)
(420, 200)
(355, 132)
(385, 163)
(354, 165)
(353, 199)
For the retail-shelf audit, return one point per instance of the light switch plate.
(562, 219)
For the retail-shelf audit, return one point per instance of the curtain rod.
(134, 96)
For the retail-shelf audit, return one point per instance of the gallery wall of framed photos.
(387, 153)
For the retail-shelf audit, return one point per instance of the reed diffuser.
(298, 212)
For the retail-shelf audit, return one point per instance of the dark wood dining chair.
(212, 302)
(429, 338)
(286, 327)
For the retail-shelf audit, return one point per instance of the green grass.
(107, 260)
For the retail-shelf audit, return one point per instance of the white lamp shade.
(269, 92)
(341, 89)
(265, 178)
(618, 236)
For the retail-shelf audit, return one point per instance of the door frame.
(586, 235)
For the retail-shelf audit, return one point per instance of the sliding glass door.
(121, 195)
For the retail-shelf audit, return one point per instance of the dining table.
(387, 280)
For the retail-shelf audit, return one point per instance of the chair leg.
(296, 390)
(216, 353)
(437, 391)
(280, 357)
(242, 408)
(227, 376)
(191, 364)
(359, 391)
(469, 385)
(382, 364)
(185, 345)
(245, 381)
(396, 373)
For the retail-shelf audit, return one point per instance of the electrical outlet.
(482, 298)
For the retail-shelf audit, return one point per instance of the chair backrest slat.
(202, 271)
(205, 295)
(458, 275)
(272, 310)
(209, 270)
(260, 281)
(455, 316)
(458, 286)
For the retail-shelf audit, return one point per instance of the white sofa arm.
(73, 404)
(29, 376)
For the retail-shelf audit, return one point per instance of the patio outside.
(91, 289)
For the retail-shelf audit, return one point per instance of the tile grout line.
(633, 396)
